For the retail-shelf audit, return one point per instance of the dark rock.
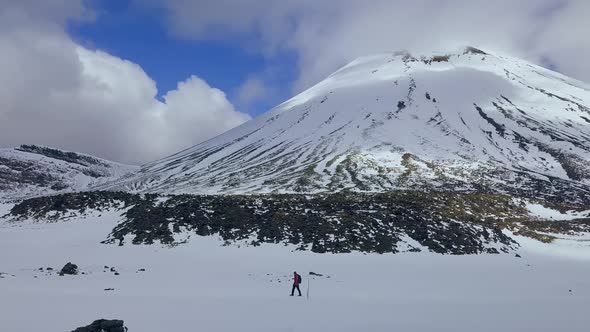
(401, 105)
(109, 289)
(113, 269)
(473, 50)
(49, 269)
(103, 325)
(517, 256)
(106, 267)
(141, 270)
(117, 273)
(315, 274)
(69, 268)
(109, 324)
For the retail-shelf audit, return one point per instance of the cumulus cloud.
(58, 93)
(326, 34)
(252, 90)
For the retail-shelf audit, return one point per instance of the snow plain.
(205, 286)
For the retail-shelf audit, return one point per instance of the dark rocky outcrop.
(104, 325)
(70, 157)
(441, 222)
(70, 269)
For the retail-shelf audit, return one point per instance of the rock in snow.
(69, 268)
(104, 325)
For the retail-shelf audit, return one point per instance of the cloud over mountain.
(58, 93)
(326, 34)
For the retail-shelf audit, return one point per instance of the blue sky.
(140, 35)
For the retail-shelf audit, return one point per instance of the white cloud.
(565, 41)
(58, 93)
(326, 34)
(252, 90)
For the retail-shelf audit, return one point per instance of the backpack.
(298, 279)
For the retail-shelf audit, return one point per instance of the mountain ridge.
(34, 170)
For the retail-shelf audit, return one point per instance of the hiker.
(296, 282)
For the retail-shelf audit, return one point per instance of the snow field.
(204, 286)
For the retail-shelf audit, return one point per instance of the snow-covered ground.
(540, 211)
(203, 286)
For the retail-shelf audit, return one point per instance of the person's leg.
(299, 290)
(293, 290)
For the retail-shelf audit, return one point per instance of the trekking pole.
(308, 285)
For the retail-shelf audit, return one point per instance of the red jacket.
(296, 280)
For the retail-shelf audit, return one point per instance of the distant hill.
(31, 170)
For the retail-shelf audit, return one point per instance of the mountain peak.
(429, 57)
(458, 121)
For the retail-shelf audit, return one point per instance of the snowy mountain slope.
(32, 171)
(462, 121)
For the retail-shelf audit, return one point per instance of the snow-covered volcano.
(462, 121)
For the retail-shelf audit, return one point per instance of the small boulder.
(69, 268)
(103, 325)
